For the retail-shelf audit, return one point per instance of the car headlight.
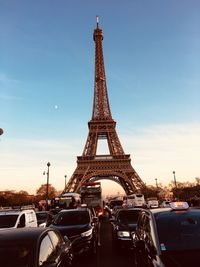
(123, 234)
(87, 233)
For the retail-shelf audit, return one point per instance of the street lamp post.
(65, 182)
(156, 182)
(47, 192)
(174, 179)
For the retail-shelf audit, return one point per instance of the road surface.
(106, 254)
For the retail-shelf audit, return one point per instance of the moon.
(56, 107)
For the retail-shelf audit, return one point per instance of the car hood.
(72, 231)
(127, 226)
(181, 258)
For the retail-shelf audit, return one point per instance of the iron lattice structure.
(115, 166)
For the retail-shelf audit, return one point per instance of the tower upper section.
(101, 107)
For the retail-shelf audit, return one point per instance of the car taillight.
(100, 212)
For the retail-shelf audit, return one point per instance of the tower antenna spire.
(97, 20)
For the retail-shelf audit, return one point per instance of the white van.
(134, 200)
(17, 217)
(152, 203)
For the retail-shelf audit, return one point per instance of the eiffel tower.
(115, 166)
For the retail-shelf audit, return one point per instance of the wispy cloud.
(159, 150)
(6, 80)
(23, 162)
(9, 97)
(7, 85)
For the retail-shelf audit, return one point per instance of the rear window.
(179, 230)
(114, 203)
(72, 218)
(7, 221)
(128, 216)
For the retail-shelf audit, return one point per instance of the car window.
(72, 218)
(179, 230)
(22, 221)
(55, 239)
(46, 251)
(7, 221)
(128, 216)
(140, 222)
(41, 216)
(149, 237)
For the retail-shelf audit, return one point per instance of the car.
(44, 218)
(33, 247)
(168, 237)
(123, 226)
(165, 204)
(81, 227)
(152, 203)
(17, 217)
(116, 202)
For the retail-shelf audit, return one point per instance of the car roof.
(22, 234)
(131, 208)
(74, 210)
(43, 212)
(15, 212)
(160, 210)
(169, 210)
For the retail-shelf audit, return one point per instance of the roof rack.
(17, 208)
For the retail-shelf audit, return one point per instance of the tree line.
(13, 198)
(187, 191)
(184, 191)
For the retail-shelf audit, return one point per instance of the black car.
(44, 218)
(123, 226)
(168, 237)
(81, 228)
(33, 247)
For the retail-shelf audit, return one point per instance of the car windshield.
(7, 221)
(117, 208)
(72, 218)
(15, 255)
(179, 230)
(41, 216)
(128, 216)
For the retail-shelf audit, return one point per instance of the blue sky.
(152, 62)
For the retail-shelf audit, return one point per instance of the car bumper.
(125, 242)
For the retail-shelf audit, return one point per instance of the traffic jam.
(154, 234)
